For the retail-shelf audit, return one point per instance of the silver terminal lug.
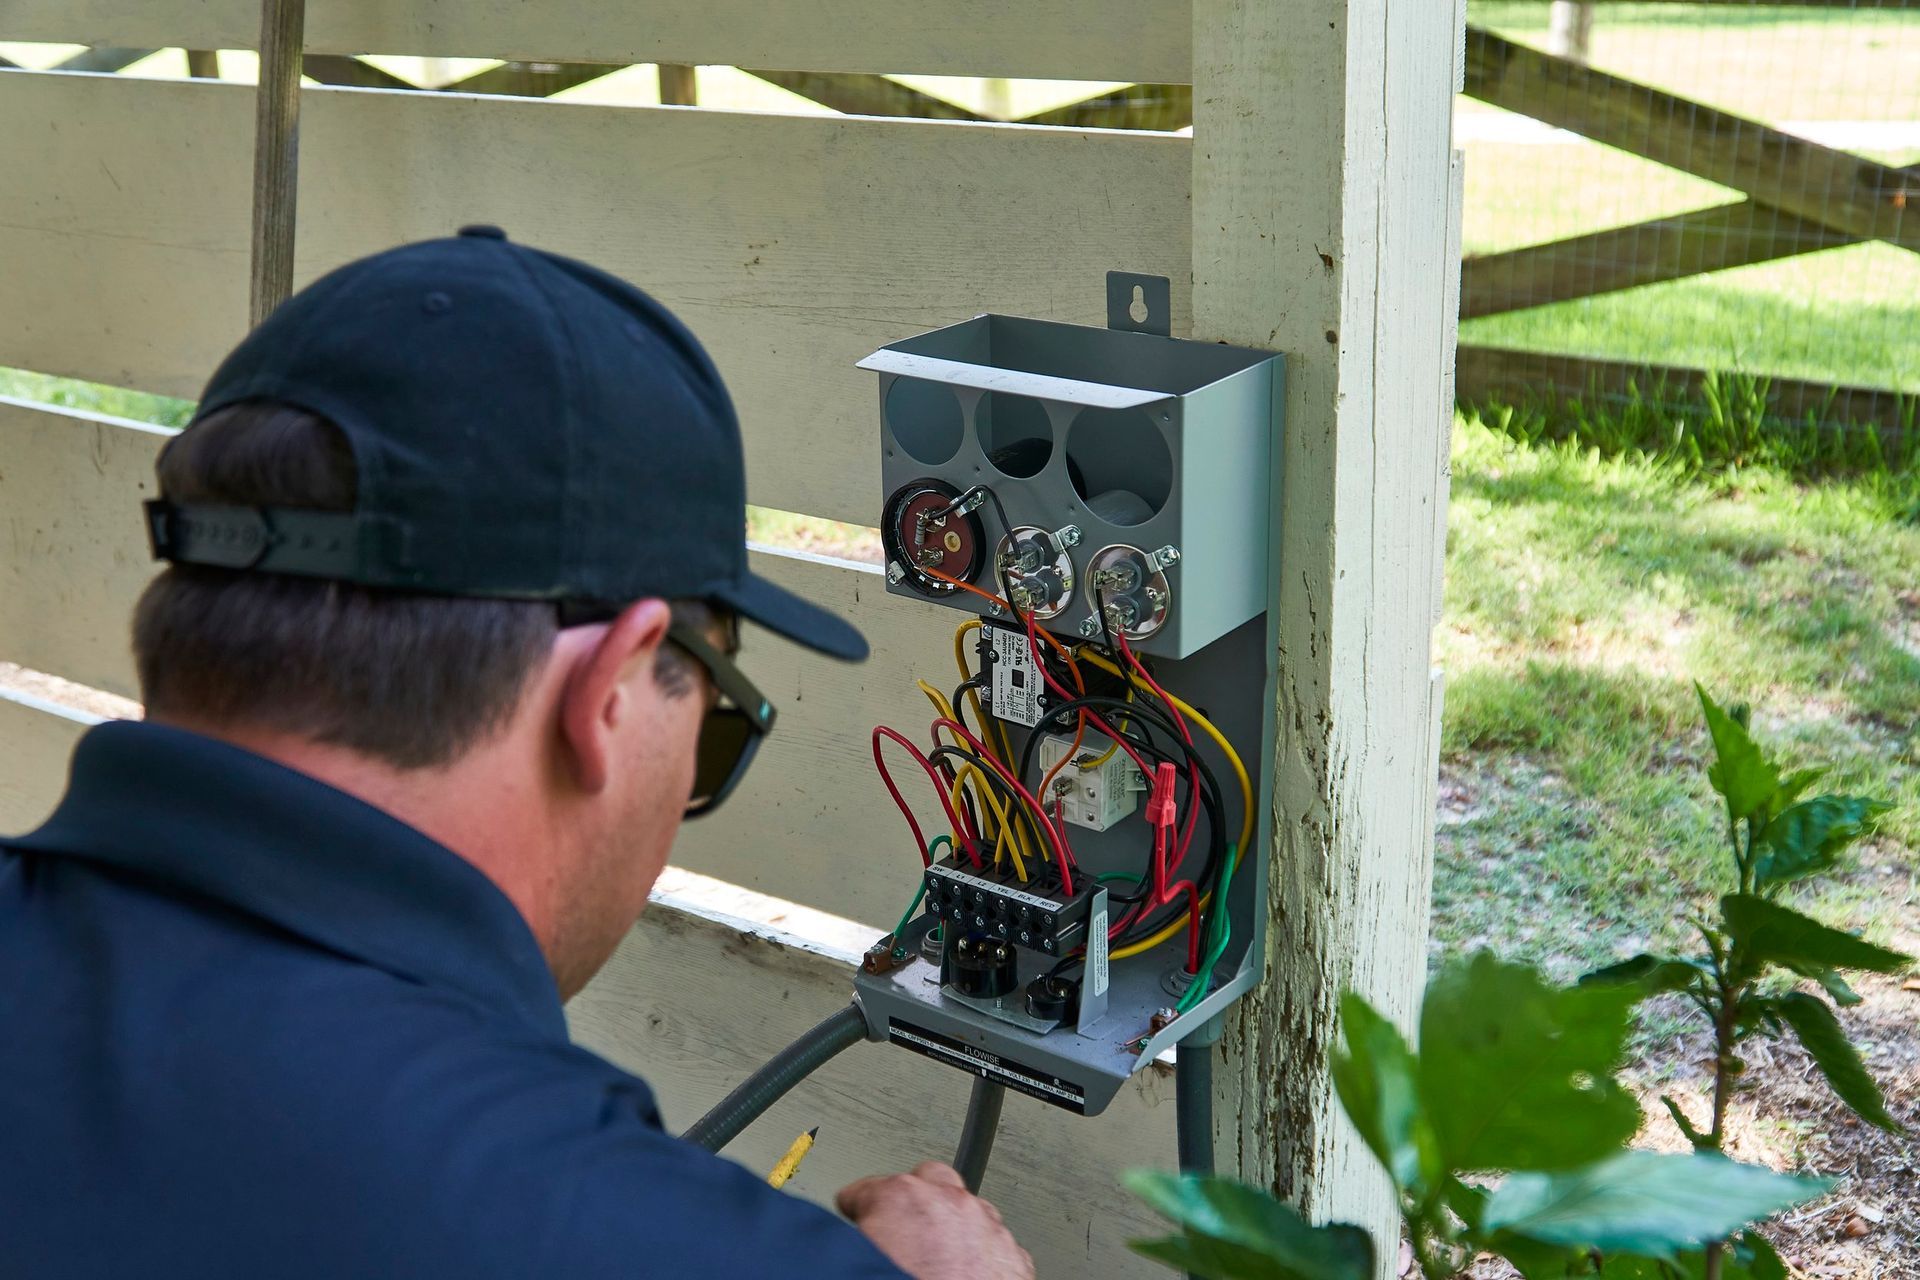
(895, 574)
(966, 504)
(931, 557)
(1155, 596)
(1158, 560)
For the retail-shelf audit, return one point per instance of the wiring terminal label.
(1023, 1079)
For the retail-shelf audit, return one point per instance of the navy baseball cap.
(524, 426)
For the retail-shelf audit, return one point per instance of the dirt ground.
(1868, 1227)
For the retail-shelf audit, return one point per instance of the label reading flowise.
(1031, 1081)
(1017, 684)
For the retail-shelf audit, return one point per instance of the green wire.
(921, 892)
(1224, 928)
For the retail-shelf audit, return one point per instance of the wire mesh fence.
(1673, 202)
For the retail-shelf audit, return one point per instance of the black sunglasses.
(730, 733)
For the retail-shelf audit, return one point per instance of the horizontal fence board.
(793, 246)
(1546, 381)
(812, 823)
(73, 552)
(36, 738)
(708, 987)
(693, 1006)
(1038, 39)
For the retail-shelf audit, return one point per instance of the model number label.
(1031, 1081)
(1017, 684)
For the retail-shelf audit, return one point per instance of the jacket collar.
(215, 820)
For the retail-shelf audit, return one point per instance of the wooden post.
(678, 87)
(1570, 30)
(1322, 216)
(276, 153)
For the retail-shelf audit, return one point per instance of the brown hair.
(413, 680)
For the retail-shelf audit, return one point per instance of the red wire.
(1053, 832)
(882, 731)
(1090, 714)
(1060, 825)
(1180, 723)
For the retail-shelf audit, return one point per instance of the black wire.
(1211, 801)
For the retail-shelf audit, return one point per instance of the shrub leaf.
(1784, 937)
(1806, 838)
(1515, 1074)
(1739, 771)
(1642, 1203)
(1820, 1032)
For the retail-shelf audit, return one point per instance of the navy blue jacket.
(252, 1027)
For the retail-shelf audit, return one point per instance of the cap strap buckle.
(319, 544)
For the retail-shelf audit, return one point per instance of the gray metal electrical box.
(1121, 437)
(1101, 485)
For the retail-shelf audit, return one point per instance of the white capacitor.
(1093, 798)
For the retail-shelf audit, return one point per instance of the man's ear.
(599, 689)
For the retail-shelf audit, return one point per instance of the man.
(445, 653)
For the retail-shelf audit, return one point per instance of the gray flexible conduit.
(976, 1134)
(1193, 1106)
(770, 1083)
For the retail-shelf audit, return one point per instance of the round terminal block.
(1127, 591)
(1037, 570)
(927, 541)
(985, 968)
(1057, 998)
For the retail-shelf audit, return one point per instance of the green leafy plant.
(1513, 1076)
(1776, 837)
(1506, 1132)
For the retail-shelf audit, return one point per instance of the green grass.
(94, 397)
(1584, 594)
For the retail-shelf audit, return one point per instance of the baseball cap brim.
(786, 614)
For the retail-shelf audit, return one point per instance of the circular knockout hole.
(925, 419)
(1015, 432)
(1119, 464)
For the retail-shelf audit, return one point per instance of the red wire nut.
(1160, 805)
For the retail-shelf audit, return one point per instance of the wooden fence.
(1318, 200)
(1799, 196)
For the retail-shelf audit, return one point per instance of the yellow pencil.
(790, 1162)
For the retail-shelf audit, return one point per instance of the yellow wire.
(1012, 836)
(1240, 776)
(989, 726)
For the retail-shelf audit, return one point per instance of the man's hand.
(933, 1228)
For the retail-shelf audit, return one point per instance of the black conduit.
(976, 1135)
(1193, 1106)
(770, 1083)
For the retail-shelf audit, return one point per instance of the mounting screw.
(1089, 626)
(1158, 560)
(895, 573)
(1067, 536)
(994, 610)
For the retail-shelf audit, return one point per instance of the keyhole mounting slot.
(1139, 303)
